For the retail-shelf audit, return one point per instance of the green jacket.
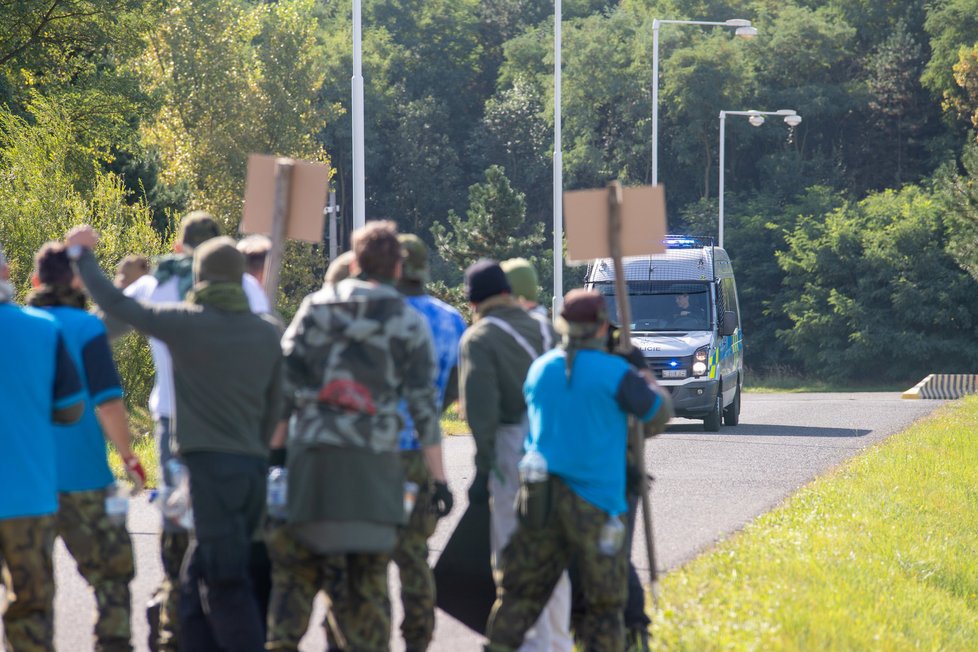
(492, 368)
(227, 367)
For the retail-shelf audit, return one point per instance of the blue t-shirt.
(82, 461)
(581, 428)
(447, 326)
(37, 377)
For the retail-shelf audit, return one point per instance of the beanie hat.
(583, 312)
(218, 261)
(415, 264)
(196, 228)
(522, 278)
(484, 279)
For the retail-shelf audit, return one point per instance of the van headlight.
(699, 360)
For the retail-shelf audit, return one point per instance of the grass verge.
(878, 555)
(141, 427)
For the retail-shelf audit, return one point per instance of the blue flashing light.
(673, 364)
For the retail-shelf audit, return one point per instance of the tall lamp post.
(359, 194)
(558, 173)
(742, 28)
(756, 118)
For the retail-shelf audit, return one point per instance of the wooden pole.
(625, 346)
(280, 214)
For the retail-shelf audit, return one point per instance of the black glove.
(441, 499)
(479, 489)
(634, 357)
(276, 457)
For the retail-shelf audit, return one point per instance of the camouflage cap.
(196, 228)
(522, 278)
(218, 261)
(415, 265)
(583, 312)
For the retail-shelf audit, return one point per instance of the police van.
(686, 322)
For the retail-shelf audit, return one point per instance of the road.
(707, 486)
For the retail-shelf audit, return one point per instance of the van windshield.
(663, 305)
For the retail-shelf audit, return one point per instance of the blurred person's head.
(377, 251)
(255, 249)
(196, 228)
(682, 300)
(414, 269)
(130, 269)
(523, 280)
(54, 280)
(218, 261)
(584, 315)
(485, 279)
(339, 268)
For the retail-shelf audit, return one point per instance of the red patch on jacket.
(348, 395)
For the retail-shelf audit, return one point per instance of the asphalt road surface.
(707, 486)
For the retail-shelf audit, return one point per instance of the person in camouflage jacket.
(353, 352)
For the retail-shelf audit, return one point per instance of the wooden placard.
(307, 198)
(643, 217)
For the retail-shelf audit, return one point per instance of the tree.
(494, 226)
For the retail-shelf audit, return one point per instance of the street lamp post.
(742, 28)
(756, 118)
(359, 194)
(558, 172)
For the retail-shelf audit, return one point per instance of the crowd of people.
(311, 453)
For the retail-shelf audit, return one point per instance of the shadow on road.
(770, 430)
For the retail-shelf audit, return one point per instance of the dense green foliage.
(853, 234)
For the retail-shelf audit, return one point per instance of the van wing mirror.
(729, 323)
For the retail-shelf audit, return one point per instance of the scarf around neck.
(225, 296)
(56, 295)
(179, 266)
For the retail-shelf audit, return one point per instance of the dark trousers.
(218, 609)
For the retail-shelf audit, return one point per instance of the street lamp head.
(737, 22)
(756, 120)
(746, 33)
(792, 120)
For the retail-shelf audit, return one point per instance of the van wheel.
(731, 414)
(712, 421)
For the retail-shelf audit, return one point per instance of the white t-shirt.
(147, 288)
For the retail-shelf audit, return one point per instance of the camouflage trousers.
(411, 556)
(27, 570)
(103, 551)
(355, 585)
(173, 548)
(532, 564)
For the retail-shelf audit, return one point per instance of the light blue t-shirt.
(447, 326)
(580, 428)
(37, 377)
(80, 447)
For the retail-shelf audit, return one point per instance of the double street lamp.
(756, 118)
(742, 28)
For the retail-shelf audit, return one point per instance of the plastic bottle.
(117, 503)
(533, 467)
(410, 497)
(277, 492)
(612, 536)
(176, 506)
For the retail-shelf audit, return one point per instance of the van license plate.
(673, 373)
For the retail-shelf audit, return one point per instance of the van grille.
(659, 365)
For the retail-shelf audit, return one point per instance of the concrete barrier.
(944, 386)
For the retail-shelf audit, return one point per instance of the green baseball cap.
(522, 278)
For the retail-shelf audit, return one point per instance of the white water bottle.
(277, 492)
(533, 467)
(612, 536)
(177, 505)
(117, 504)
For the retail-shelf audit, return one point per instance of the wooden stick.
(273, 264)
(625, 346)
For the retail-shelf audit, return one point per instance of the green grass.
(767, 383)
(878, 555)
(141, 427)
